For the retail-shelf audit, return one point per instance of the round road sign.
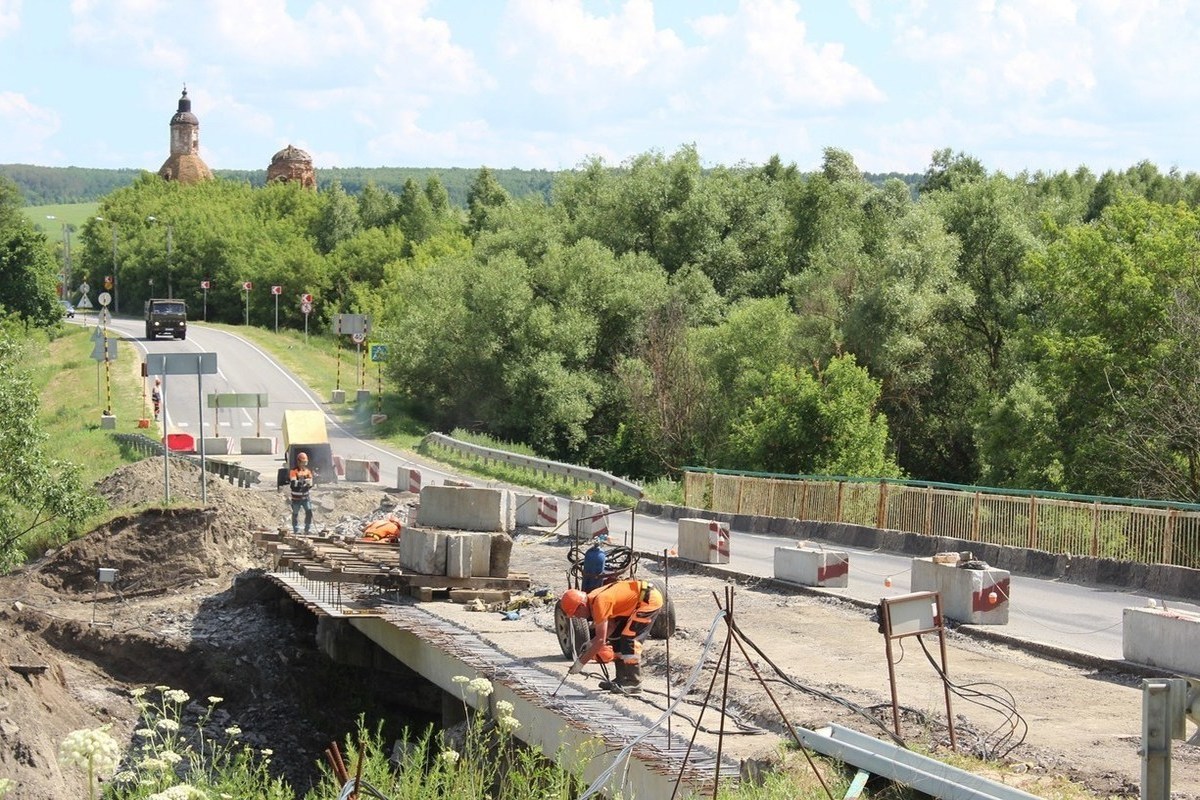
(358, 338)
(105, 298)
(306, 308)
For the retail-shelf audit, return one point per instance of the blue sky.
(1019, 84)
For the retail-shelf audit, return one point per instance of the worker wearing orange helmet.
(622, 614)
(300, 479)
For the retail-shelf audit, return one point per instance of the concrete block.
(257, 445)
(500, 552)
(586, 520)
(408, 480)
(703, 540)
(1162, 638)
(108, 422)
(973, 596)
(464, 508)
(525, 508)
(482, 595)
(457, 483)
(481, 554)
(812, 566)
(362, 396)
(422, 594)
(338, 396)
(423, 550)
(458, 555)
(215, 445)
(362, 471)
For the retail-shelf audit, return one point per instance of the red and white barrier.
(362, 471)
(703, 540)
(408, 480)
(547, 511)
(339, 466)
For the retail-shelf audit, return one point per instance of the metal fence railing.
(234, 473)
(1150, 532)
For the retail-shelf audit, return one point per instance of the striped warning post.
(547, 510)
(718, 542)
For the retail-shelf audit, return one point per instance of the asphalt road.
(1067, 617)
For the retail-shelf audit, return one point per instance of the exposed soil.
(192, 612)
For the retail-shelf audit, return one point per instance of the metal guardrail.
(580, 474)
(234, 473)
(1147, 532)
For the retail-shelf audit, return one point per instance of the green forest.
(1034, 331)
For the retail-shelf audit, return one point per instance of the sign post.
(306, 309)
(105, 298)
(197, 364)
(246, 287)
(379, 355)
(276, 291)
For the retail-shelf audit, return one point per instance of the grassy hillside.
(74, 214)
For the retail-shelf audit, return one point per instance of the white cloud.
(24, 127)
(10, 17)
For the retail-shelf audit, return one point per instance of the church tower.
(184, 164)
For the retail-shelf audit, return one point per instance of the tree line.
(1033, 331)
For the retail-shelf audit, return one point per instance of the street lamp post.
(66, 273)
(170, 232)
(116, 283)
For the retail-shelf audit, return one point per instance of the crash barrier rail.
(574, 473)
(1125, 529)
(234, 473)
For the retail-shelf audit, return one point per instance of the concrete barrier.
(812, 566)
(362, 471)
(525, 508)
(703, 540)
(339, 466)
(257, 445)
(1162, 638)
(215, 445)
(974, 596)
(108, 422)
(408, 480)
(464, 508)
(423, 550)
(587, 520)
(337, 396)
(547, 513)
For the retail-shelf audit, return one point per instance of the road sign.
(306, 308)
(230, 400)
(247, 286)
(105, 298)
(84, 302)
(306, 298)
(98, 350)
(181, 363)
(379, 352)
(352, 324)
(84, 288)
(276, 290)
(205, 285)
(359, 338)
(108, 282)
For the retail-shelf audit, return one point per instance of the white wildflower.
(145, 733)
(138, 692)
(214, 700)
(181, 792)
(480, 686)
(176, 696)
(449, 756)
(460, 679)
(233, 730)
(504, 708)
(168, 725)
(170, 756)
(93, 749)
(509, 724)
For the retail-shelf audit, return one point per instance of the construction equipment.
(304, 432)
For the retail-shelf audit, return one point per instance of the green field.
(74, 214)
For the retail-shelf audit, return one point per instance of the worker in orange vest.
(622, 614)
(300, 480)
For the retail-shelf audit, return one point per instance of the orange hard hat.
(571, 601)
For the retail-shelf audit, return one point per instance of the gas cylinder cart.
(595, 563)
